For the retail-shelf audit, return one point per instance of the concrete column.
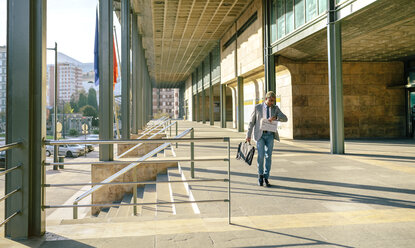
(135, 72)
(182, 90)
(203, 96)
(223, 105)
(106, 109)
(335, 81)
(140, 84)
(240, 104)
(197, 97)
(211, 112)
(26, 117)
(125, 69)
(234, 107)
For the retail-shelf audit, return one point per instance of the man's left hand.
(272, 119)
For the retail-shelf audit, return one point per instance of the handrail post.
(75, 211)
(135, 191)
(229, 181)
(177, 127)
(170, 128)
(192, 154)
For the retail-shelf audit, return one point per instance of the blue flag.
(96, 66)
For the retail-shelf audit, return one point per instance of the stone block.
(300, 101)
(141, 150)
(351, 100)
(109, 194)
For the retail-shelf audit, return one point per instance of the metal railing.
(155, 122)
(154, 135)
(133, 164)
(4, 172)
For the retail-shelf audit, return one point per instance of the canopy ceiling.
(178, 34)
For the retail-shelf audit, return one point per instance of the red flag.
(115, 64)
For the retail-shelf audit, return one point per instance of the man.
(264, 139)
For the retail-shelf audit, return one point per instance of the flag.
(115, 64)
(96, 66)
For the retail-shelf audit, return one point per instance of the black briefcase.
(246, 152)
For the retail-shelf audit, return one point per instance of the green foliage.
(160, 114)
(92, 98)
(82, 100)
(67, 108)
(95, 131)
(88, 110)
(74, 104)
(73, 132)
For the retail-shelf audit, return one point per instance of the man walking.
(264, 139)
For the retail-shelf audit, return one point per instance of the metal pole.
(55, 109)
(222, 105)
(335, 81)
(240, 103)
(177, 127)
(106, 109)
(229, 181)
(192, 154)
(75, 211)
(125, 69)
(135, 191)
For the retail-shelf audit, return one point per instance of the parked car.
(49, 150)
(3, 159)
(72, 151)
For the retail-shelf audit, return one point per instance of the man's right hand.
(248, 140)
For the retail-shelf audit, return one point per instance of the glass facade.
(288, 15)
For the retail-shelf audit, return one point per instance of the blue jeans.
(264, 146)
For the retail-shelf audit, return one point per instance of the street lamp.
(55, 108)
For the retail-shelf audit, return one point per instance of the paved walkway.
(365, 198)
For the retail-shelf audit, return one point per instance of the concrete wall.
(253, 94)
(142, 149)
(108, 194)
(284, 92)
(370, 108)
(250, 42)
(248, 46)
(188, 96)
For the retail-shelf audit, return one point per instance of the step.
(168, 153)
(163, 195)
(179, 192)
(124, 211)
(113, 211)
(150, 195)
(103, 213)
(140, 195)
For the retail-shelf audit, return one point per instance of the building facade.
(166, 101)
(377, 81)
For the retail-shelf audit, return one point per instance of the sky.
(70, 23)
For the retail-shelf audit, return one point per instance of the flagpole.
(113, 95)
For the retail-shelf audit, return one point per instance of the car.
(49, 150)
(71, 151)
(3, 159)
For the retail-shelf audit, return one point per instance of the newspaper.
(266, 125)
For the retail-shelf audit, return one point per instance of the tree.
(67, 108)
(74, 103)
(82, 100)
(88, 110)
(92, 98)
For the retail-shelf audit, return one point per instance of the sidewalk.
(364, 198)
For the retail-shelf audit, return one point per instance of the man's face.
(270, 101)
